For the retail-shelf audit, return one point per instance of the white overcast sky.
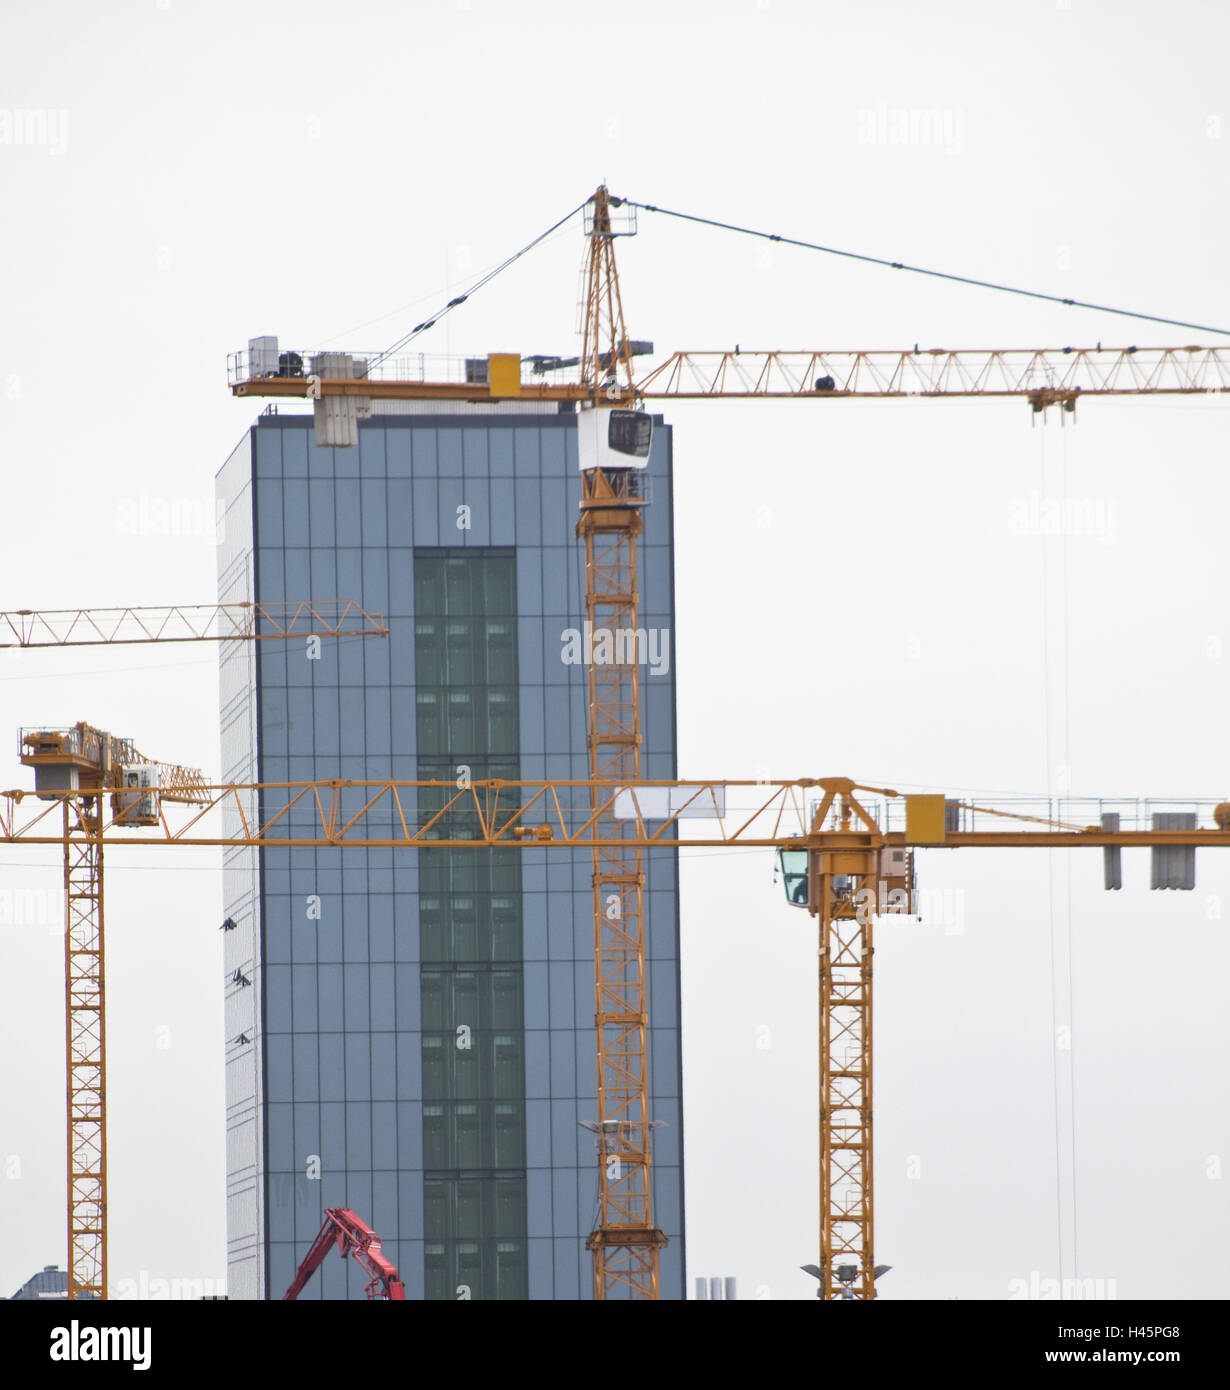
(854, 594)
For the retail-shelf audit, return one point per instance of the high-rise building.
(410, 1033)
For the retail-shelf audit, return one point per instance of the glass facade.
(465, 647)
(417, 1039)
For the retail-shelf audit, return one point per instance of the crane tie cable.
(920, 270)
(474, 288)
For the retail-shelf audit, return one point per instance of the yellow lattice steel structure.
(186, 622)
(625, 1242)
(853, 846)
(838, 882)
(1043, 376)
(95, 764)
(85, 1043)
(583, 814)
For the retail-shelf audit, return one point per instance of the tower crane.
(846, 851)
(93, 764)
(96, 766)
(614, 438)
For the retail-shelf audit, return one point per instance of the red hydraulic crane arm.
(352, 1236)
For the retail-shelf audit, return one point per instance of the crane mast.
(86, 1050)
(91, 762)
(625, 1243)
(847, 1208)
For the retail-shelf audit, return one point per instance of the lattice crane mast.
(613, 451)
(94, 766)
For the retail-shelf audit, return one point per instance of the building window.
(467, 710)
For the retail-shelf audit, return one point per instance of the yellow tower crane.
(79, 768)
(610, 397)
(90, 763)
(846, 850)
(625, 1242)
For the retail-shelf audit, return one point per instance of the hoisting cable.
(474, 288)
(1050, 890)
(920, 270)
(1067, 762)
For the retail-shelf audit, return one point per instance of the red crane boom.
(352, 1236)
